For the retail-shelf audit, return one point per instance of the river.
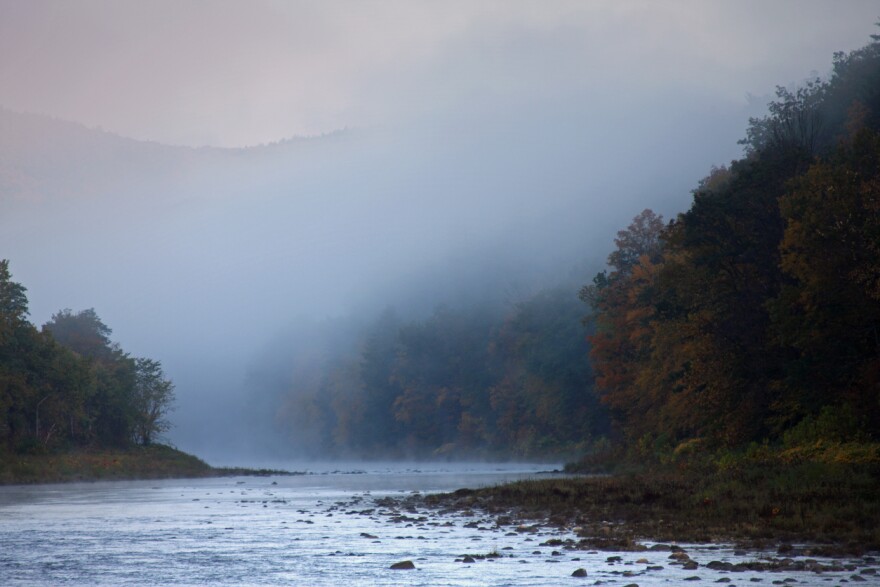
(323, 528)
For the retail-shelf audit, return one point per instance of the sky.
(457, 148)
(232, 73)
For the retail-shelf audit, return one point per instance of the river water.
(323, 528)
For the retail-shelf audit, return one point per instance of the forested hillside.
(68, 385)
(751, 317)
(754, 315)
(473, 380)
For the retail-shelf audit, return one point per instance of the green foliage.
(68, 385)
(832, 424)
(757, 316)
(442, 369)
(152, 397)
(754, 314)
(796, 121)
(831, 253)
(13, 300)
(84, 333)
(91, 464)
(467, 381)
(543, 400)
(808, 501)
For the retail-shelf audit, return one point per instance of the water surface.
(318, 529)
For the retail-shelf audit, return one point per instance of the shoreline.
(356, 530)
(837, 517)
(826, 509)
(156, 461)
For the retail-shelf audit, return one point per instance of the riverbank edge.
(818, 509)
(156, 461)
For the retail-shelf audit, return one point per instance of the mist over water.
(499, 158)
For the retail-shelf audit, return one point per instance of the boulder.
(403, 566)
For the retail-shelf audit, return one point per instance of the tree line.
(755, 314)
(473, 380)
(752, 316)
(68, 385)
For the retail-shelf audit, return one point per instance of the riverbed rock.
(403, 566)
(579, 573)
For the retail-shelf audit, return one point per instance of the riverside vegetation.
(748, 318)
(155, 461)
(75, 407)
(728, 374)
(766, 499)
(737, 347)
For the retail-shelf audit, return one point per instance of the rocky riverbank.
(607, 552)
(833, 508)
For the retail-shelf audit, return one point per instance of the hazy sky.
(234, 73)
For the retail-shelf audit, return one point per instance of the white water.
(304, 530)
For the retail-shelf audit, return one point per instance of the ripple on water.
(331, 529)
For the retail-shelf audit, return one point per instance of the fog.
(361, 156)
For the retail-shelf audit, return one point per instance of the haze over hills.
(491, 157)
(197, 256)
(563, 232)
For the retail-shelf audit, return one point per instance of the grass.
(141, 462)
(753, 501)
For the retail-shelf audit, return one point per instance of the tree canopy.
(69, 385)
(758, 312)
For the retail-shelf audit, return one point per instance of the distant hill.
(44, 160)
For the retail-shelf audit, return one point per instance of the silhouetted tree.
(152, 400)
(13, 300)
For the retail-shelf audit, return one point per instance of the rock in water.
(579, 573)
(403, 566)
